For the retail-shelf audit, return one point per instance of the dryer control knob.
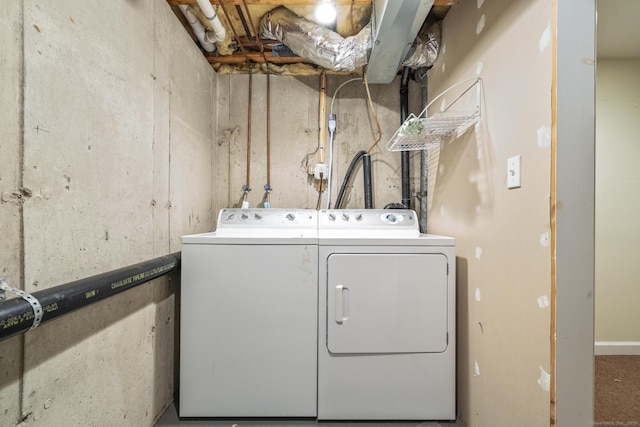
(332, 217)
(231, 216)
(244, 216)
(359, 217)
(258, 216)
(290, 216)
(391, 218)
(345, 217)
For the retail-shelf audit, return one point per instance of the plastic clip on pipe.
(267, 202)
(35, 304)
(245, 202)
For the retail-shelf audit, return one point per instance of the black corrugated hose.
(347, 177)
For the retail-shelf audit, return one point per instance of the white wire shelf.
(422, 132)
(418, 133)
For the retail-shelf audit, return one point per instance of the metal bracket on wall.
(33, 301)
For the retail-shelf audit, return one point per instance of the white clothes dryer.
(386, 341)
(248, 310)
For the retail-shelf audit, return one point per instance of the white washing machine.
(248, 344)
(386, 341)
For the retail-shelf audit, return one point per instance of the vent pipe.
(218, 34)
(198, 29)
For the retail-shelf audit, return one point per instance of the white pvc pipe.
(219, 32)
(198, 28)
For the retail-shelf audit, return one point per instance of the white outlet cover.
(514, 165)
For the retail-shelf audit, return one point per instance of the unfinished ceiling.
(244, 50)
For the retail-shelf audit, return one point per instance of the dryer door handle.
(342, 304)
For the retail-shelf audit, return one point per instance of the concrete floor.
(170, 419)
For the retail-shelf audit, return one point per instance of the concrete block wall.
(11, 66)
(295, 129)
(106, 153)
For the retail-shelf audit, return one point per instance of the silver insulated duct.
(316, 43)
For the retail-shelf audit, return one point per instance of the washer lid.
(387, 303)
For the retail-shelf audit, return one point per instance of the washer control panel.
(267, 219)
(369, 219)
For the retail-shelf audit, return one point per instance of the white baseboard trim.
(616, 348)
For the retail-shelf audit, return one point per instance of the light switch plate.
(513, 171)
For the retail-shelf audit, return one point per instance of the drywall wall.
(617, 203)
(116, 150)
(502, 235)
(294, 139)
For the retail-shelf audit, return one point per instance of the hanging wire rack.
(421, 132)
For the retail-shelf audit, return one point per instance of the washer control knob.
(244, 216)
(332, 217)
(345, 217)
(258, 216)
(391, 218)
(359, 217)
(290, 217)
(231, 216)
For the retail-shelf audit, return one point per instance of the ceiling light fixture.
(326, 12)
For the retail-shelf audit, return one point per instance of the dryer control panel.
(373, 221)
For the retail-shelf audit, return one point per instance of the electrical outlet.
(321, 170)
(513, 171)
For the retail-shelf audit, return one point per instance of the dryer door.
(387, 303)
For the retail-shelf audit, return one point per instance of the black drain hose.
(347, 177)
(368, 188)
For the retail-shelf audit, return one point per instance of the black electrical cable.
(16, 314)
(347, 177)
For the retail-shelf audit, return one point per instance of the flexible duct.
(425, 48)
(317, 43)
(198, 29)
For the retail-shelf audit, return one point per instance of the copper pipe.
(253, 28)
(244, 22)
(233, 29)
(268, 128)
(249, 131)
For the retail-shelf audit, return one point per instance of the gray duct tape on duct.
(316, 43)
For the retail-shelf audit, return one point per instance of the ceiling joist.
(242, 25)
(294, 2)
